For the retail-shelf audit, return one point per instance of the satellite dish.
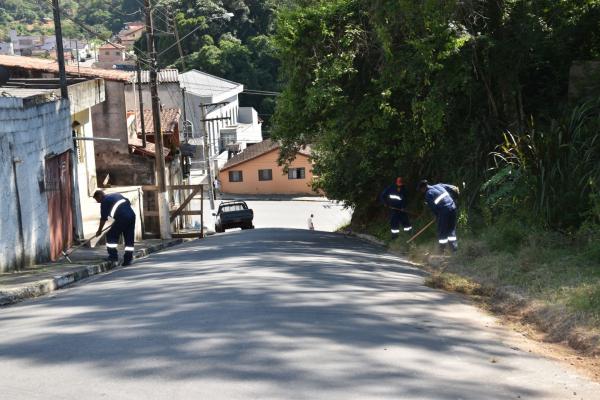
(4, 75)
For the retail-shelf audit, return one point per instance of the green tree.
(422, 89)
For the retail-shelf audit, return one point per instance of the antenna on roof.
(4, 75)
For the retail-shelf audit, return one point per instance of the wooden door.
(60, 210)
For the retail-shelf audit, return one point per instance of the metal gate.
(60, 211)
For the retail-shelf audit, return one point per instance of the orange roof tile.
(40, 64)
(137, 146)
(112, 46)
(168, 122)
(256, 151)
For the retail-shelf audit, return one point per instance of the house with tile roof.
(132, 32)
(110, 54)
(256, 171)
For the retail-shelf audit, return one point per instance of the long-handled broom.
(91, 241)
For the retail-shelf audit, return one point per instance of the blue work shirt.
(392, 197)
(438, 197)
(115, 205)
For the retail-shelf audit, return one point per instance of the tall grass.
(551, 174)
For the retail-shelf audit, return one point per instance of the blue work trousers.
(398, 218)
(125, 227)
(446, 227)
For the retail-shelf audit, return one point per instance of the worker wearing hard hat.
(394, 197)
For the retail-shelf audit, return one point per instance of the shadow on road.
(314, 311)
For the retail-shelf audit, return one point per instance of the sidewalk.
(42, 279)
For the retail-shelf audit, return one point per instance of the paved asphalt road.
(267, 314)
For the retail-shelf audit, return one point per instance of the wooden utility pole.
(60, 53)
(174, 22)
(141, 101)
(163, 205)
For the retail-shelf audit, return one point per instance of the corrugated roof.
(43, 65)
(170, 75)
(256, 151)
(168, 122)
(24, 93)
(204, 84)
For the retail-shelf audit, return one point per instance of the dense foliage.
(102, 16)
(431, 89)
(237, 48)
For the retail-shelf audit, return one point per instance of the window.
(233, 207)
(107, 53)
(296, 173)
(118, 53)
(236, 176)
(265, 174)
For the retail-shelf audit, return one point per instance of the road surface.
(268, 314)
(328, 215)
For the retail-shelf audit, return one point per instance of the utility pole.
(177, 40)
(141, 101)
(163, 205)
(77, 55)
(207, 157)
(60, 53)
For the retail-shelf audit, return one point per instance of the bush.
(506, 236)
(552, 173)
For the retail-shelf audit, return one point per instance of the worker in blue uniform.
(394, 197)
(117, 207)
(441, 199)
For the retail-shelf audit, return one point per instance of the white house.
(24, 45)
(230, 128)
(7, 48)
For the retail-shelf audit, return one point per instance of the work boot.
(127, 258)
(454, 246)
(441, 249)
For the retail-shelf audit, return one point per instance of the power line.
(163, 17)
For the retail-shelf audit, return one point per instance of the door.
(60, 211)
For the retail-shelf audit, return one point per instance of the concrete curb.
(46, 286)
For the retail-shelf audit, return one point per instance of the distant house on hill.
(131, 33)
(256, 171)
(110, 54)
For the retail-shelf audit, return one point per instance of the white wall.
(7, 48)
(168, 93)
(28, 135)
(251, 133)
